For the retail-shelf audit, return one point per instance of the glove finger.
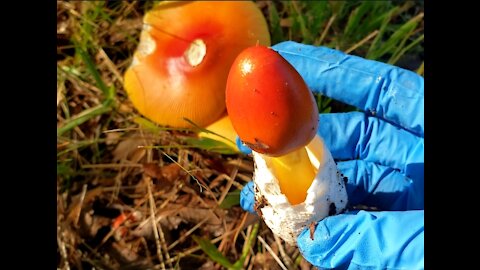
(354, 135)
(247, 197)
(389, 92)
(242, 147)
(373, 240)
(379, 186)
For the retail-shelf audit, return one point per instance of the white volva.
(326, 196)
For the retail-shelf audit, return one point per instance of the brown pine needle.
(288, 261)
(325, 31)
(154, 224)
(110, 65)
(363, 41)
(187, 234)
(269, 249)
(229, 183)
(111, 166)
(82, 198)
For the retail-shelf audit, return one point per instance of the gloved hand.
(379, 150)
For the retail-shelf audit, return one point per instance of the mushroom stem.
(221, 130)
(296, 170)
(295, 174)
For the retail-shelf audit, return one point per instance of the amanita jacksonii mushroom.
(181, 64)
(275, 114)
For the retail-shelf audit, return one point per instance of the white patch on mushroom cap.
(286, 220)
(147, 44)
(135, 61)
(196, 52)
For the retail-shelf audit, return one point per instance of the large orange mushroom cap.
(185, 52)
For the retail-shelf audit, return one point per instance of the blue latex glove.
(379, 150)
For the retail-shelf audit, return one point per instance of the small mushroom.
(180, 67)
(274, 112)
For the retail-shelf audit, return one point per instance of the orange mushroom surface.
(186, 49)
(269, 104)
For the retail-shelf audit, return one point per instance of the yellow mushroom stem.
(294, 171)
(221, 130)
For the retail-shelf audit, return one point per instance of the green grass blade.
(401, 33)
(232, 199)
(299, 18)
(201, 129)
(152, 127)
(212, 251)
(337, 7)
(63, 169)
(323, 103)
(317, 14)
(211, 145)
(373, 49)
(373, 17)
(404, 50)
(355, 17)
(93, 71)
(82, 118)
(399, 47)
(380, 12)
(274, 18)
(147, 124)
(78, 145)
(420, 70)
(246, 247)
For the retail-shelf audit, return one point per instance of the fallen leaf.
(123, 252)
(170, 172)
(75, 207)
(112, 138)
(128, 149)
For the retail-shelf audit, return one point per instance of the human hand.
(379, 150)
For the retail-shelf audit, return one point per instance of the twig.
(244, 178)
(82, 198)
(117, 185)
(145, 246)
(240, 227)
(110, 65)
(164, 245)
(242, 164)
(156, 231)
(420, 70)
(95, 253)
(280, 263)
(111, 166)
(230, 182)
(361, 42)
(63, 250)
(172, 245)
(120, 130)
(288, 261)
(197, 248)
(325, 31)
(187, 171)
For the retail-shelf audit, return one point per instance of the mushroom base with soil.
(326, 195)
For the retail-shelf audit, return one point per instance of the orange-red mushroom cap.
(270, 106)
(186, 49)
